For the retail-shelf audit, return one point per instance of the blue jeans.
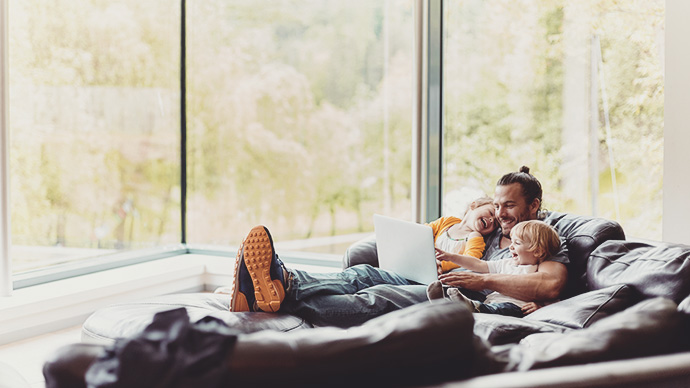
(349, 298)
(504, 308)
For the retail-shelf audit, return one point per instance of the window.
(94, 128)
(574, 90)
(299, 118)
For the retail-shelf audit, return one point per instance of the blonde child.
(531, 243)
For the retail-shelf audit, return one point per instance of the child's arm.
(531, 307)
(469, 262)
(469, 259)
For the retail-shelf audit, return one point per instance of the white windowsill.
(48, 307)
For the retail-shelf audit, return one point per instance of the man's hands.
(469, 280)
(544, 285)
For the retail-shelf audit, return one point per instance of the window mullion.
(434, 105)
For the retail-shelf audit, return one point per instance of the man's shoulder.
(493, 236)
(552, 218)
(493, 250)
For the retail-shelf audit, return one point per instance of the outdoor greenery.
(293, 107)
(518, 81)
(299, 114)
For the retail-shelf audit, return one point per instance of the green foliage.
(299, 113)
(296, 115)
(91, 164)
(512, 69)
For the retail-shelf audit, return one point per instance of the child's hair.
(477, 203)
(538, 235)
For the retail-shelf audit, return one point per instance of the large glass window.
(572, 89)
(94, 128)
(299, 118)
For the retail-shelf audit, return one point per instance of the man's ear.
(534, 206)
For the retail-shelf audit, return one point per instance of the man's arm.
(545, 284)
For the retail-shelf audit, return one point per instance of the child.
(464, 236)
(531, 243)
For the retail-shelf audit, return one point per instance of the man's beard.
(507, 234)
(518, 219)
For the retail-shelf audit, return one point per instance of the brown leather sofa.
(624, 300)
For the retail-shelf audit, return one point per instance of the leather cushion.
(500, 329)
(420, 345)
(660, 270)
(582, 236)
(582, 310)
(684, 306)
(651, 327)
(127, 319)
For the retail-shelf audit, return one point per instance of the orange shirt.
(473, 247)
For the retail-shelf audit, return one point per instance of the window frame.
(5, 260)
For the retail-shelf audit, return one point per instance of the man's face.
(512, 208)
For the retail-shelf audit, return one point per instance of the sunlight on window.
(573, 90)
(300, 118)
(94, 128)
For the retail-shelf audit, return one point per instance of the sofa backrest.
(583, 234)
(362, 252)
(652, 269)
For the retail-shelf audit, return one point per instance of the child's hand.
(442, 255)
(531, 307)
(444, 262)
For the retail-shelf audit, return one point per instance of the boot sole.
(257, 253)
(238, 302)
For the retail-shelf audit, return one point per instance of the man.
(517, 198)
(362, 292)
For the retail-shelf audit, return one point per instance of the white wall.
(5, 263)
(676, 207)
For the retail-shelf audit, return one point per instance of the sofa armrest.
(654, 270)
(362, 252)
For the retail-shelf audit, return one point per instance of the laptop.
(406, 248)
